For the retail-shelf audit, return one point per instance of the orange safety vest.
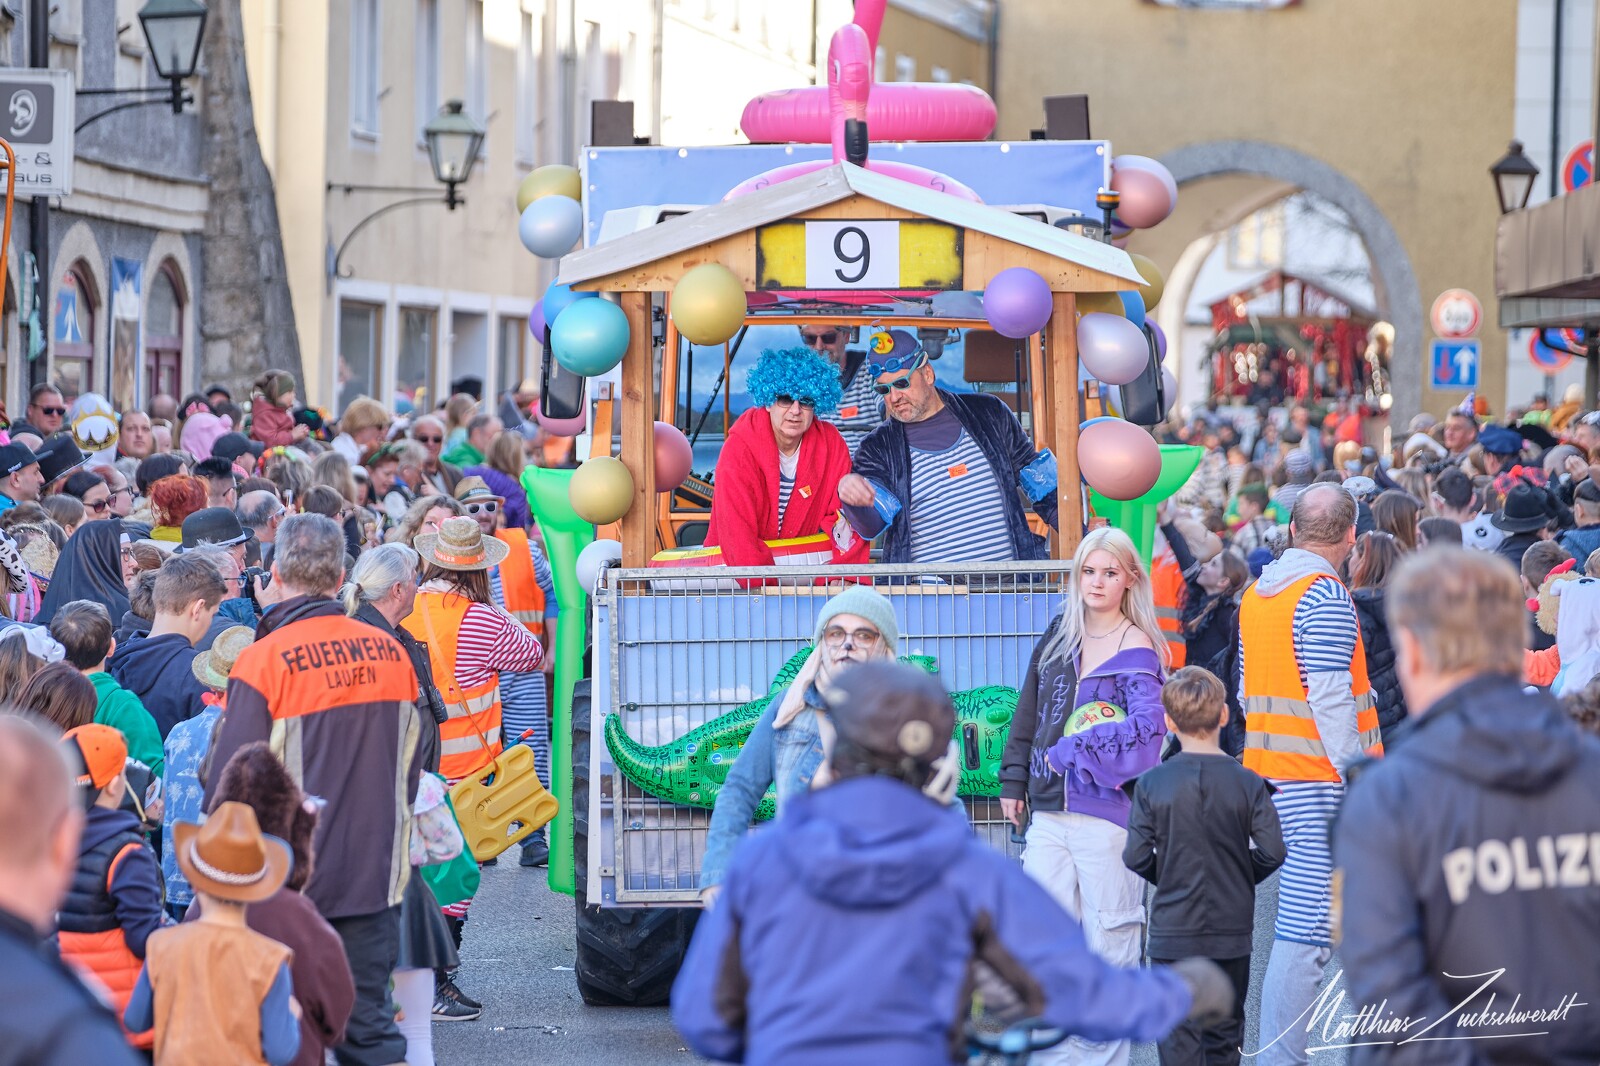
(1169, 589)
(470, 737)
(1281, 737)
(524, 598)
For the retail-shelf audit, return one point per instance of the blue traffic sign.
(1455, 363)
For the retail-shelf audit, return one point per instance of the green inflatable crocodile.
(690, 770)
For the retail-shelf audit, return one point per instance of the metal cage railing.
(675, 649)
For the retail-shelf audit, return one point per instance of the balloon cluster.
(550, 210)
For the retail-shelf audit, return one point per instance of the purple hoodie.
(1084, 773)
(517, 514)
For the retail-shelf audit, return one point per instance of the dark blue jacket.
(885, 457)
(850, 931)
(1580, 543)
(159, 670)
(1473, 848)
(50, 1018)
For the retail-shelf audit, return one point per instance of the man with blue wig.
(779, 471)
(939, 479)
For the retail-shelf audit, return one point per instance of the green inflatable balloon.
(1137, 517)
(565, 535)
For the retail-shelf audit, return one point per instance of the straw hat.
(40, 554)
(229, 857)
(473, 489)
(213, 665)
(460, 545)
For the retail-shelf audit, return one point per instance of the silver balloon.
(1169, 390)
(1112, 348)
(595, 555)
(551, 225)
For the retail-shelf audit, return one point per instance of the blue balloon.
(558, 298)
(590, 337)
(1133, 307)
(1086, 423)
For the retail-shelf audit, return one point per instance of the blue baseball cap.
(895, 349)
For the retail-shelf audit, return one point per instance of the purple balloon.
(1017, 302)
(1161, 338)
(1113, 348)
(537, 325)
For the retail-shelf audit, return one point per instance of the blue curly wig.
(797, 372)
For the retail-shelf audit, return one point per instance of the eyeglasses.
(99, 505)
(882, 388)
(836, 636)
(783, 399)
(812, 340)
(482, 508)
(127, 552)
(428, 440)
(55, 412)
(117, 492)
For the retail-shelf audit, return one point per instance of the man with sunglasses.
(857, 414)
(443, 477)
(44, 413)
(523, 585)
(938, 480)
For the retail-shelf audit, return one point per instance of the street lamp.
(174, 29)
(454, 141)
(1513, 179)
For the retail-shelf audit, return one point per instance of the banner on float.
(127, 321)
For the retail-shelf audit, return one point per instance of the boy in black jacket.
(1204, 831)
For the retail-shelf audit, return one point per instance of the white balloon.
(594, 557)
(1169, 390)
(550, 226)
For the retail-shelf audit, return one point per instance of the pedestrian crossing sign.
(1455, 363)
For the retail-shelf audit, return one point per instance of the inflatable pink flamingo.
(849, 88)
(897, 111)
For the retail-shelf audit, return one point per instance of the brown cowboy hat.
(229, 857)
(460, 545)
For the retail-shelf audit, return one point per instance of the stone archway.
(1399, 298)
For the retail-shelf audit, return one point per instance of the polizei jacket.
(335, 700)
(1473, 849)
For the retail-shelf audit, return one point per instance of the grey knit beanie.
(865, 602)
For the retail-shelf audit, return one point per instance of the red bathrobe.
(744, 509)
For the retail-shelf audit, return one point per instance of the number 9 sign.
(852, 255)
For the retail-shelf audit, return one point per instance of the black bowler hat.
(230, 446)
(58, 457)
(14, 457)
(216, 526)
(1524, 510)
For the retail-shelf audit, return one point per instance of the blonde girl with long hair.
(1105, 647)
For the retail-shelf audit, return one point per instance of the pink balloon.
(1145, 202)
(674, 457)
(557, 427)
(1119, 460)
(1153, 166)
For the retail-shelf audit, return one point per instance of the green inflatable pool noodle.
(565, 535)
(1137, 517)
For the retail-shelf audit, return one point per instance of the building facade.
(1391, 112)
(115, 313)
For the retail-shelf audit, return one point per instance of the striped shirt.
(788, 467)
(957, 512)
(541, 575)
(859, 412)
(489, 641)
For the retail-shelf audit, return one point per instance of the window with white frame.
(905, 67)
(425, 62)
(530, 45)
(365, 49)
(477, 69)
(940, 74)
(880, 64)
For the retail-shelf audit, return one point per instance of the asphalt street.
(517, 958)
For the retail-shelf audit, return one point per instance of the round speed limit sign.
(1456, 313)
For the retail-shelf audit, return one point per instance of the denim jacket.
(789, 757)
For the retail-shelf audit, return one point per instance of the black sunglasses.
(882, 388)
(54, 411)
(812, 339)
(428, 440)
(783, 399)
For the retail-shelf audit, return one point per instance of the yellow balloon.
(1154, 283)
(556, 179)
(708, 304)
(601, 490)
(1105, 302)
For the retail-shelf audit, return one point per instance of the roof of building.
(828, 186)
